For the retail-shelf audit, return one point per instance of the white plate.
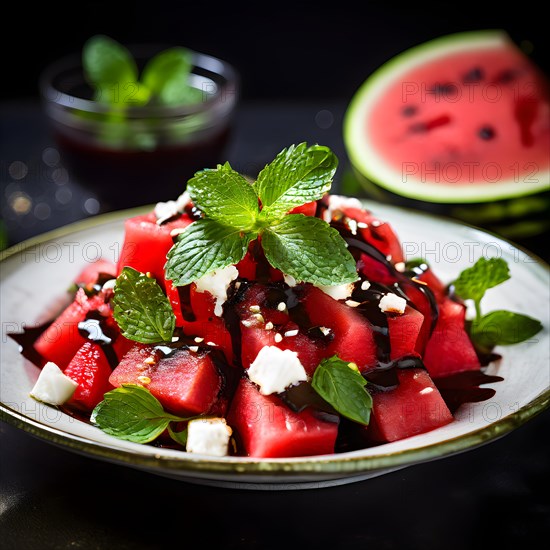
(35, 273)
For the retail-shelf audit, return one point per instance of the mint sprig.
(503, 328)
(499, 327)
(298, 174)
(111, 70)
(205, 245)
(141, 309)
(306, 248)
(473, 282)
(224, 195)
(133, 413)
(343, 387)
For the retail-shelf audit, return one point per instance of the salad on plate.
(269, 319)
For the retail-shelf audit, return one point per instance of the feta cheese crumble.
(337, 202)
(290, 280)
(338, 292)
(217, 282)
(208, 436)
(391, 303)
(169, 209)
(53, 387)
(275, 369)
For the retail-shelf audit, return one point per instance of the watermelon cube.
(415, 406)
(353, 334)
(62, 339)
(266, 428)
(146, 244)
(88, 275)
(404, 331)
(449, 349)
(90, 369)
(185, 382)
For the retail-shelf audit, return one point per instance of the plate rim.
(339, 464)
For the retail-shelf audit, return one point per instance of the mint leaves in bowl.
(134, 123)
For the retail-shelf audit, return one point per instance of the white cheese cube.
(391, 303)
(338, 292)
(275, 369)
(217, 282)
(208, 436)
(337, 202)
(52, 386)
(165, 210)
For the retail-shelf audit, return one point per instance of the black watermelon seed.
(409, 110)
(486, 133)
(474, 75)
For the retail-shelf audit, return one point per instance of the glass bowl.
(138, 155)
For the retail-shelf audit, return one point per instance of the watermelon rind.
(370, 167)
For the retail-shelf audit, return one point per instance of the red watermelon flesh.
(146, 244)
(267, 428)
(377, 232)
(62, 339)
(468, 116)
(450, 350)
(261, 322)
(89, 274)
(91, 370)
(185, 382)
(353, 336)
(404, 332)
(414, 407)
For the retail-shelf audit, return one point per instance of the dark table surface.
(491, 496)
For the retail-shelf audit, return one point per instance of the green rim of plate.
(304, 467)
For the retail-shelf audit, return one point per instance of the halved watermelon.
(458, 120)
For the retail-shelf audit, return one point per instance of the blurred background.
(284, 51)
(299, 65)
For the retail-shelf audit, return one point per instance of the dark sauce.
(95, 328)
(26, 340)
(463, 387)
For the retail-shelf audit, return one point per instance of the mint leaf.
(204, 246)
(132, 413)
(224, 195)
(344, 388)
(141, 309)
(299, 174)
(106, 64)
(167, 76)
(178, 437)
(473, 282)
(309, 250)
(503, 328)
